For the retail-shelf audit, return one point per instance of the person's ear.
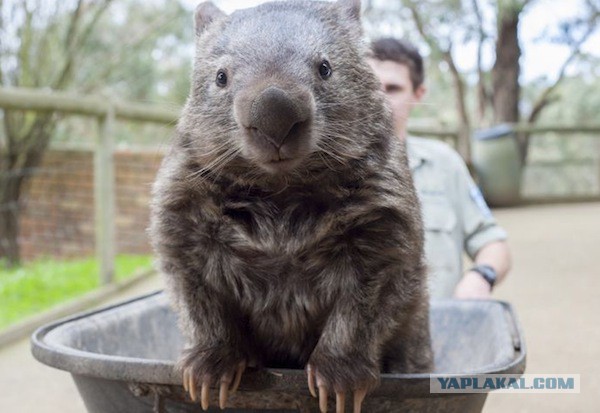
(420, 92)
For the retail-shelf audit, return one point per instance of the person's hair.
(403, 52)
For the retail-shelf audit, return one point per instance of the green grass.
(40, 285)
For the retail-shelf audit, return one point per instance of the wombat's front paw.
(342, 374)
(204, 367)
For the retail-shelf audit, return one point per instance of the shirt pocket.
(442, 249)
(438, 215)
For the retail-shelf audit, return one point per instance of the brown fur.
(320, 262)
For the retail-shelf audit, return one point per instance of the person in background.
(455, 215)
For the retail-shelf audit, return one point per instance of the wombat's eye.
(325, 70)
(221, 78)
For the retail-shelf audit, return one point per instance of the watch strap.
(487, 272)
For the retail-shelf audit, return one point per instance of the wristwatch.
(488, 273)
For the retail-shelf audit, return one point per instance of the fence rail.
(40, 100)
(107, 111)
(560, 129)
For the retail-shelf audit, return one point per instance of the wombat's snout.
(276, 116)
(277, 126)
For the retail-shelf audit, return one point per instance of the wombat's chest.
(287, 228)
(286, 323)
(285, 278)
(285, 295)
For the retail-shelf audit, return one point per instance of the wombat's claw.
(340, 397)
(311, 380)
(323, 399)
(185, 380)
(229, 383)
(238, 376)
(205, 395)
(310, 374)
(359, 396)
(340, 402)
(189, 384)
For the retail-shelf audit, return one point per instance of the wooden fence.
(107, 111)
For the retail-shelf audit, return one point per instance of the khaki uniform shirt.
(455, 215)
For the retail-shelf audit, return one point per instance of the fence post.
(598, 164)
(104, 197)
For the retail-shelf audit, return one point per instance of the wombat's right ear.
(206, 13)
(351, 7)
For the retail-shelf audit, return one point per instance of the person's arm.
(472, 285)
(485, 241)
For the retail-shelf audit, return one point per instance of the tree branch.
(77, 41)
(482, 92)
(544, 99)
(2, 35)
(26, 36)
(459, 84)
(71, 50)
(115, 59)
(421, 28)
(73, 24)
(94, 21)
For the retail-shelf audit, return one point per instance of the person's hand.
(473, 286)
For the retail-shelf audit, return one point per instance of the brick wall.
(57, 217)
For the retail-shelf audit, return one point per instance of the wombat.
(284, 217)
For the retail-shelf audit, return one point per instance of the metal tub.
(122, 360)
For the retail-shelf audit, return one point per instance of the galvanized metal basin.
(122, 360)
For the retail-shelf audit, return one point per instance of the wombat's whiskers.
(217, 164)
(324, 159)
(330, 150)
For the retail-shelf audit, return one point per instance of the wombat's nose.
(275, 115)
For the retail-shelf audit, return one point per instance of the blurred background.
(90, 91)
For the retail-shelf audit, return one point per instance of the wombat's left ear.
(206, 13)
(352, 7)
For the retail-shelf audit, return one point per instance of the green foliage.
(577, 102)
(140, 51)
(42, 284)
(134, 49)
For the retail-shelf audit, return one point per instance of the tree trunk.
(463, 146)
(505, 73)
(16, 167)
(10, 185)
